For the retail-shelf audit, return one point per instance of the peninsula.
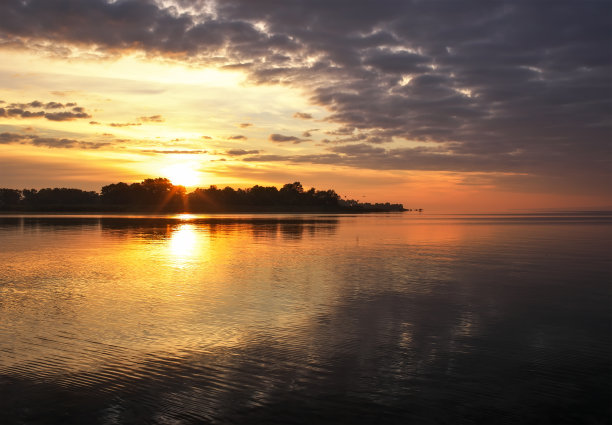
(159, 195)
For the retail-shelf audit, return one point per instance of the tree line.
(160, 195)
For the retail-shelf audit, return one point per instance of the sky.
(450, 106)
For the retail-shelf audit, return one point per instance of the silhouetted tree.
(10, 199)
(60, 199)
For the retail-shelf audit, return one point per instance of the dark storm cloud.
(397, 62)
(514, 85)
(49, 142)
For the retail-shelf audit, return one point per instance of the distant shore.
(160, 196)
(167, 213)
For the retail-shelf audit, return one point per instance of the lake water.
(397, 318)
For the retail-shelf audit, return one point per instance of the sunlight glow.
(182, 174)
(183, 242)
(185, 216)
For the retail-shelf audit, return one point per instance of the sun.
(182, 174)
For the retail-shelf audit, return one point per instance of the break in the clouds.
(516, 85)
(49, 142)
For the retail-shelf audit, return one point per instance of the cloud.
(152, 118)
(308, 133)
(175, 151)
(23, 110)
(438, 158)
(54, 105)
(245, 125)
(240, 152)
(296, 159)
(505, 80)
(237, 137)
(66, 116)
(342, 131)
(62, 93)
(124, 124)
(37, 104)
(206, 137)
(20, 113)
(279, 138)
(302, 116)
(397, 62)
(49, 142)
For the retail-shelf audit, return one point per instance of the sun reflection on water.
(185, 216)
(184, 244)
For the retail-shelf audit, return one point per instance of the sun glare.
(183, 241)
(186, 246)
(182, 174)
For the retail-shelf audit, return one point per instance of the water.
(305, 319)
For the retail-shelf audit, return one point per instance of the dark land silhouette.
(160, 195)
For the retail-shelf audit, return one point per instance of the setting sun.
(182, 174)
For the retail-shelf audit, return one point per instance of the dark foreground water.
(305, 319)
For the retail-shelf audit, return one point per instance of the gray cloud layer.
(507, 85)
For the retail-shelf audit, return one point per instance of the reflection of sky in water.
(381, 313)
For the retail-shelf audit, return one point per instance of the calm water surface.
(305, 319)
